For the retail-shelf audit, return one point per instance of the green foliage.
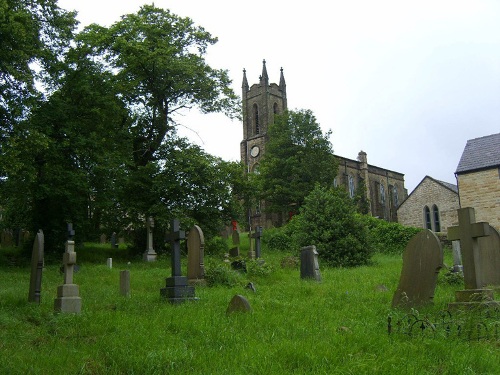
(277, 239)
(216, 246)
(218, 273)
(388, 237)
(328, 221)
(298, 155)
(258, 267)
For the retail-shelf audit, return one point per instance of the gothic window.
(382, 193)
(256, 118)
(275, 108)
(427, 218)
(351, 186)
(335, 182)
(395, 196)
(437, 225)
(255, 169)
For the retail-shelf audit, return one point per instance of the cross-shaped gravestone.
(71, 232)
(467, 232)
(177, 288)
(257, 235)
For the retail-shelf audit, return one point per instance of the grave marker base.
(150, 256)
(177, 290)
(473, 298)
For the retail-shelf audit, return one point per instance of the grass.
(337, 326)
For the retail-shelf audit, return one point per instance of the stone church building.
(384, 188)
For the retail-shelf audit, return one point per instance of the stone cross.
(468, 232)
(36, 269)
(257, 235)
(71, 231)
(175, 237)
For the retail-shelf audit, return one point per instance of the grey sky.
(408, 82)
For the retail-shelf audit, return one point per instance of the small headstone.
(234, 252)
(68, 299)
(125, 283)
(238, 304)
(150, 254)
(422, 260)
(36, 269)
(102, 238)
(109, 262)
(309, 265)
(196, 249)
(489, 259)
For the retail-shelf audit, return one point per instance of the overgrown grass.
(337, 326)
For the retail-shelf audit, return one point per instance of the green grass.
(337, 326)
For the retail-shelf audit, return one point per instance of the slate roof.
(480, 153)
(448, 185)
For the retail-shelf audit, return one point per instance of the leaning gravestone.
(36, 269)
(489, 260)
(309, 265)
(68, 299)
(196, 248)
(422, 260)
(238, 304)
(177, 289)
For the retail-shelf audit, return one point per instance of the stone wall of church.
(481, 191)
(429, 193)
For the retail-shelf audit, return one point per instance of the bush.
(216, 246)
(277, 239)
(257, 267)
(328, 220)
(221, 274)
(387, 237)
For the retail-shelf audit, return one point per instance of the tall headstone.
(177, 289)
(196, 249)
(125, 283)
(150, 254)
(489, 260)
(309, 265)
(457, 256)
(422, 260)
(36, 269)
(235, 250)
(68, 299)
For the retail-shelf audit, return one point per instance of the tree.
(158, 59)
(298, 156)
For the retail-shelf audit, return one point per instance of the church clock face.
(254, 151)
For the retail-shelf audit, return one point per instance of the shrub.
(221, 274)
(277, 239)
(328, 220)
(388, 237)
(257, 267)
(216, 246)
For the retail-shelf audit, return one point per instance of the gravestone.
(35, 291)
(235, 250)
(309, 265)
(109, 262)
(150, 254)
(196, 249)
(114, 244)
(68, 299)
(422, 260)
(489, 259)
(125, 283)
(102, 238)
(468, 232)
(257, 236)
(177, 289)
(457, 256)
(238, 304)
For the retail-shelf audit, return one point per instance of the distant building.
(478, 177)
(383, 188)
(431, 205)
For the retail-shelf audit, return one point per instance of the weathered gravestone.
(114, 244)
(177, 289)
(125, 283)
(150, 254)
(36, 269)
(238, 304)
(196, 249)
(235, 250)
(468, 233)
(489, 259)
(422, 260)
(257, 236)
(68, 299)
(309, 265)
(109, 262)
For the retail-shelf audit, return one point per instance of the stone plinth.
(473, 298)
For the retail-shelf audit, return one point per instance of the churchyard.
(333, 322)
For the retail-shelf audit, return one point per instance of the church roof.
(480, 153)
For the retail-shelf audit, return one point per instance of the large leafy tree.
(298, 156)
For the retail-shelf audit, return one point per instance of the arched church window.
(351, 186)
(395, 195)
(275, 108)
(255, 169)
(256, 118)
(427, 218)
(437, 224)
(382, 193)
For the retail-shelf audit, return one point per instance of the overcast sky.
(408, 82)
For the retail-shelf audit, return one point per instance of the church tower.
(260, 103)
